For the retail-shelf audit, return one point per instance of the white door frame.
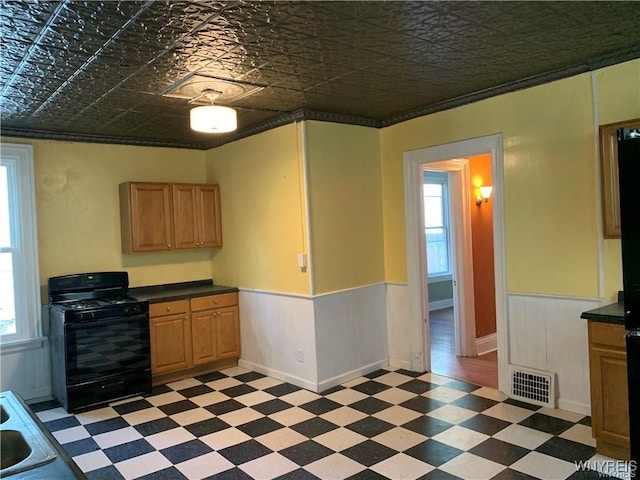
(416, 269)
(462, 255)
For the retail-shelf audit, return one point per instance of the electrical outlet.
(300, 355)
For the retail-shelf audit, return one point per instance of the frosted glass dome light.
(213, 119)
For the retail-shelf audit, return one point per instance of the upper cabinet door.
(185, 216)
(209, 225)
(146, 218)
(610, 185)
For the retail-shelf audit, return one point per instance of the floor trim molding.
(279, 375)
(487, 344)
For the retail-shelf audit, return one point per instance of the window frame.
(441, 178)
(18, 158)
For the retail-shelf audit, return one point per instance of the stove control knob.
(137, 308)
(126, 309)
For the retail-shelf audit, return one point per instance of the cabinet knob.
(168, 309)
(168, 245)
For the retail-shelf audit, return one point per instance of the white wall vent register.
(533, 386)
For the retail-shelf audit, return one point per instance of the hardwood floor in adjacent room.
(481, 370)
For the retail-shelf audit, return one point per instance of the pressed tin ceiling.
(116, 72)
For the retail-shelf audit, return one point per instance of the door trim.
(417, 280)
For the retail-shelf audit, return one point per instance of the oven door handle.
(106, 322)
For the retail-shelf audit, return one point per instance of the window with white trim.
(19, 277)
(436, 222)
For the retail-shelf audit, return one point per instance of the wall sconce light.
(212, 118)
(485, 194)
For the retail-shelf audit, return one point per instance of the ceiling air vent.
(533, 386)
(193, 86)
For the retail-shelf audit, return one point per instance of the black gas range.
(100, 343)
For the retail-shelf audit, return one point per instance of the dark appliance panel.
(106, 347)
(87, 285)
(629, 178)
(633, 374)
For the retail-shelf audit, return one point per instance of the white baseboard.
(345, 377)
(308, 385)
(487, 344)
(438, 304)
(285, 377)
(577, 407)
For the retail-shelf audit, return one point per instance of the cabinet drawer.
(168, 308)
(607, 334)
(214, 301)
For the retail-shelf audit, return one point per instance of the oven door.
(108, 347)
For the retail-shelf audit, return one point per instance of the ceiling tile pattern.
(97, 71)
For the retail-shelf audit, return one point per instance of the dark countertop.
(613, 313)
(179, 291)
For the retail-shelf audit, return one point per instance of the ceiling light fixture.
(212, 118)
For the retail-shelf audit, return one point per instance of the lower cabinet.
(170, 336)
(215, 327)
(193, 335)
(609, 391)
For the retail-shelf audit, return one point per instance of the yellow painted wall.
(619, 100)
(345, 203)
(549, 191)
(78, 208)
(263, 215)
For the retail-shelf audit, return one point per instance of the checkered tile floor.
(238, 424)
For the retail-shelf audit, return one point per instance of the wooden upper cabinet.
(610, 186)
(209, 222)
(185, 216)
(196, 216)
(146, 217)
(165, 216)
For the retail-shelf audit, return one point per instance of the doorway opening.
(469, 338)
(462, 326)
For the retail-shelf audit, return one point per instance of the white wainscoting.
(351, 334)
(338, 336)
(26, 368)
(547, 333)
(398, 325)
(272, 328)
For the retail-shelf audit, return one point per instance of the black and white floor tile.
(395, 424)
